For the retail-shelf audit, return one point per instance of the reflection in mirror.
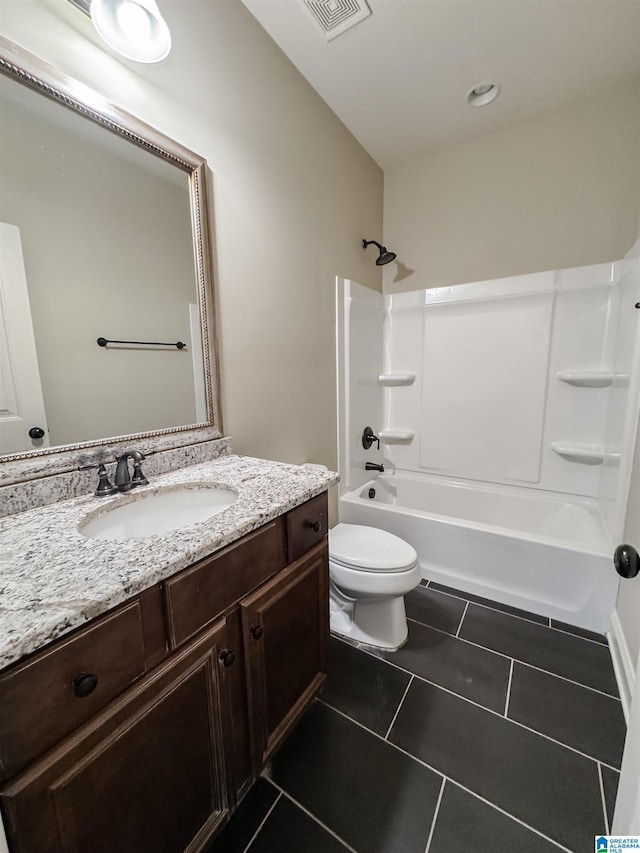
(96, 240)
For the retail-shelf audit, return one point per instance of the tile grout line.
(460, 597)
(578, 636)
(507, 657)
(435, 815)
(462, 620)
(604, 800)
(568, 680)
(506, 704)
(455, 637)
(513, 817)
(399, 706)
(545, 624)
(314, 818)
(262, 822)
(444, 776)
(482, 708)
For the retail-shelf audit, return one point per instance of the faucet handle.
(104, 486)
(368, 438)
(138, 478)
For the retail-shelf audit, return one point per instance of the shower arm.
(384, 255)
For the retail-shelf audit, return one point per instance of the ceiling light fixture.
(481, 94)
(133, 28)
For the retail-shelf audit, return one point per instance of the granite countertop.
(53, 579)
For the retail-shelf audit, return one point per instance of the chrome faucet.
(123, 481)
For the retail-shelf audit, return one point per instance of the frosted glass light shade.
(133, 28)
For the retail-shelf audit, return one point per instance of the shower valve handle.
(368, 438)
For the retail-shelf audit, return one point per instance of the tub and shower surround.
(507, 412)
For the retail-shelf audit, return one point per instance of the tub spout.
(373, 466)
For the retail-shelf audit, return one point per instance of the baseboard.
(622, 663)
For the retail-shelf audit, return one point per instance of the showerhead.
(385, 256)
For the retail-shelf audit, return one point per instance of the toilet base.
(376, 622)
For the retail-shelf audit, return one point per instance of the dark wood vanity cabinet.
(198, 682)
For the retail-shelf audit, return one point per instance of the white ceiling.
(398, 80)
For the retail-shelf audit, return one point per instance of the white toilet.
(371, 571)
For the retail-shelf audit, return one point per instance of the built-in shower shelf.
(587, 378)
(396, 436)
(586, 454)
(397, 378)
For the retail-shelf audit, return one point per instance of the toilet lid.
(370, 548)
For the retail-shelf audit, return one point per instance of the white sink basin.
(158, 511)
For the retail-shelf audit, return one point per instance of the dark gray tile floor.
(467, 669)
(492, 729)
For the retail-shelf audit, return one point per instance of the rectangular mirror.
(103, 236)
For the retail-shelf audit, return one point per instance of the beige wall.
(73, 188)
(558, 191)
(293, 193)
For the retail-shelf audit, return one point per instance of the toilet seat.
(369, 549)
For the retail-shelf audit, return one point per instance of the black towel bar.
(102, 342)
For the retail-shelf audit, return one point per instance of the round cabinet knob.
(315, 525)
(227, 657)
(36, 432)
(256, 631)
(85, 684)
(626, 561)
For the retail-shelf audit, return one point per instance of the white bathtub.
(550, 555)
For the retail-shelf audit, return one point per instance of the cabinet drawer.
(41, 701)
(307, 525)
(199, 594)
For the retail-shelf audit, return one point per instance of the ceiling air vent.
(335, 17)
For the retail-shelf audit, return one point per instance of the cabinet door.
(239, 758)
(286, 635)
(144, 775)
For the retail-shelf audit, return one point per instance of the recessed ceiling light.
(134, 28)
(483, 94)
